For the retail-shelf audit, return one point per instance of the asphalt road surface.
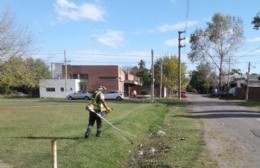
(232, 132)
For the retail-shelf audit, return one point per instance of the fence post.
(54, 153)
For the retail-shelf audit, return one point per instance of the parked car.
(225, 95)
(114, 95)
(80, 95)
(184, 94)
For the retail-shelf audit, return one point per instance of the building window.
(83, 76)
(82, 86)
(74, 76)
(62, 89)
(50, 89)
(108, 78)
(78, 76)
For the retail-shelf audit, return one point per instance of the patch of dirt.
(150, 154)
(4, 165)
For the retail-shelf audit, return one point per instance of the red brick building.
(111, 76)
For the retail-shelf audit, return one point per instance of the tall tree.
(140, 71)
(15, 45)
(170, 73)
(143, 73)
(142, 64)
(14, 40)
(217, 42)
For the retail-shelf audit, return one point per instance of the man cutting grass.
(99, 105)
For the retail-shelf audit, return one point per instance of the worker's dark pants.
(92, 118)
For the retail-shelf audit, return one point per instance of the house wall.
(254, 87)
(111, 76)
(55, 88)
(254, 93)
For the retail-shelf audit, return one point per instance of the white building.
(60, 88)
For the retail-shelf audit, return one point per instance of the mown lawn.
(27, 127)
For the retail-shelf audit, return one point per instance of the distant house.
(240, 83)
(73, 78)
(254, 87)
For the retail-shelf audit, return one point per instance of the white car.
(80, 95)
(114, 95)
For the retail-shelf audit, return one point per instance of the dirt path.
(3, 165)
(232, 132)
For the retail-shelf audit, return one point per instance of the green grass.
(27, 127)
(252, 103)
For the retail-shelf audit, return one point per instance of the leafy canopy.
(217, 42)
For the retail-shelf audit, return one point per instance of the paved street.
(232, 132)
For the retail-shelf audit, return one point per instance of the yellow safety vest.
(96, 101)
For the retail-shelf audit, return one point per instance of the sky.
(121, 32)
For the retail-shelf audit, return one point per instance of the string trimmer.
(91, 109)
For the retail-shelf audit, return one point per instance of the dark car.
(80, 95)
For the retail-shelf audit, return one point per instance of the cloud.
(173, 27)
(254, 40)
(171, 42)
(86, 11)
(111, 38)
(174, 42)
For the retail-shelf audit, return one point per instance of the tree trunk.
(220, 73)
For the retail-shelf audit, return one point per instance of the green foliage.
(170, 73)
(143, 73)
(20, 73)
(202, 79)
(256, 21)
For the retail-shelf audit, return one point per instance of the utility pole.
(152, 84)
(179, 64)
(248, 75)
(161, 72)
(66, 71)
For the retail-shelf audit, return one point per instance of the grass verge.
(182, 145)
(27, 127)
(251, 103)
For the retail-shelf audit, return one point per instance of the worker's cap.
(102, 88)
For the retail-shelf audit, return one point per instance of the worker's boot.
(98, 134)
(87, 134)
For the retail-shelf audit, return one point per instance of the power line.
(186, 20)
(187, 14)
(247, 54)
(94, 54)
